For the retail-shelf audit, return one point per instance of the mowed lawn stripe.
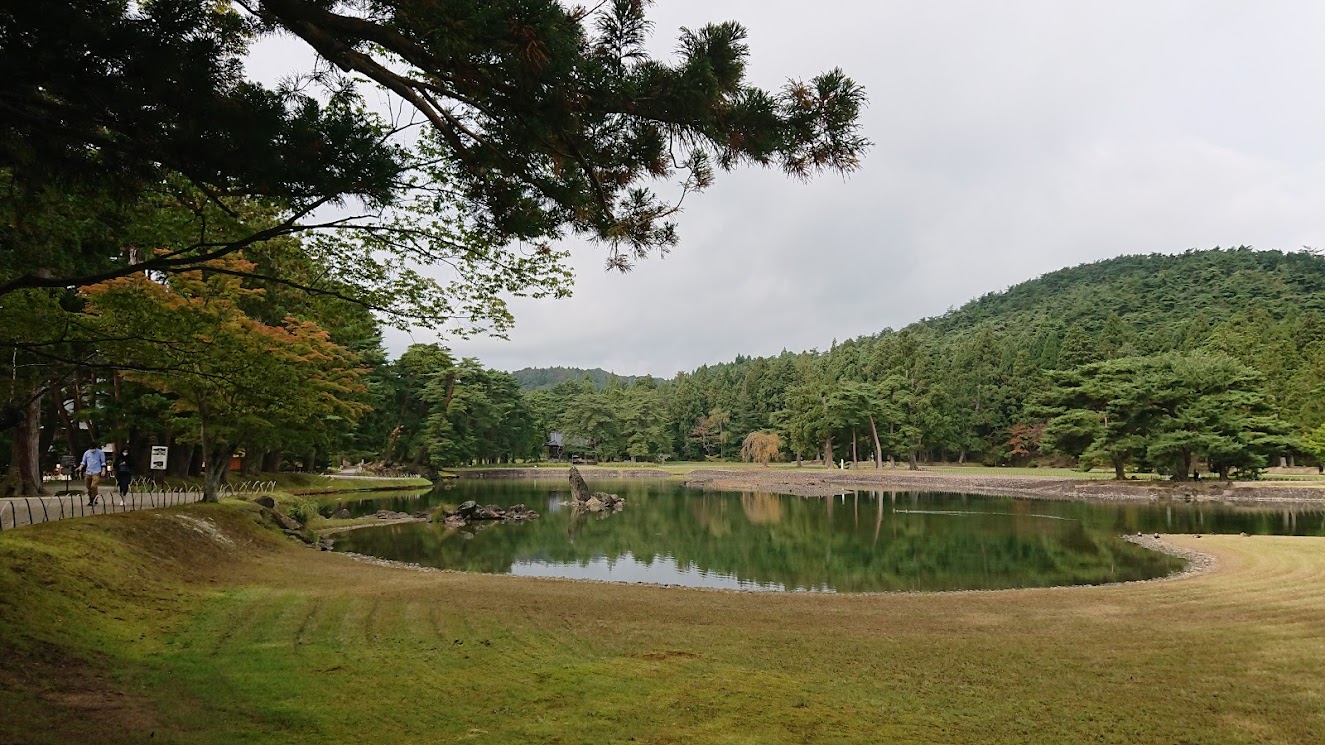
(282, 644)
(1225, 657)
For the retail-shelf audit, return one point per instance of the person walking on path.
(93, 468)
(123, 474)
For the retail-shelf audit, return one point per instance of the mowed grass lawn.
(142, 628)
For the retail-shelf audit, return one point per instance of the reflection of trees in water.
(710, 511)
(857, 541)
(761, 508)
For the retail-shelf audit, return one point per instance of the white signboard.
(159, 453)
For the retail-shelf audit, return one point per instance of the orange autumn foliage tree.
(235, 379)
(761, 447)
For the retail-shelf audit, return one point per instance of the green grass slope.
(196, 625)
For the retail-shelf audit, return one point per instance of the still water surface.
(858, 541)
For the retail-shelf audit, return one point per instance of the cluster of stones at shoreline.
(468, 512)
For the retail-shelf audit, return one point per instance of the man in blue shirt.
(93, 468)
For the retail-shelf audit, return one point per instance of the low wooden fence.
(144, 494)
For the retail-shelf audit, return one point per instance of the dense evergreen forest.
(1208, 359)
(539, 378)
(993, 381)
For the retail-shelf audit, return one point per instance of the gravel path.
(19, 511)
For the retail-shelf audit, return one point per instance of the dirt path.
(16, 512)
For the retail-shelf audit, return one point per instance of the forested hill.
(541, 378)
(1167, 292)
(1236, 336)
(967, 380)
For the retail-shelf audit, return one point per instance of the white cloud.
(1013, 138)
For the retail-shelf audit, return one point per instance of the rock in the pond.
(473, 512)
(583, 499)
(579, 490)
(390, 515)
(519, 513)
(341, 514)
(601, 502)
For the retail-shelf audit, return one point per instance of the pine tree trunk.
(1118, 467)
(855, 460)
(66, 423)
(271, 461)
(911, 457)
(961, 457)
(828, 451)
(218, 462)
(78, 409)
(1184, 466)
(24, 477)
(196, 458)
(878, 448)
(47, 425)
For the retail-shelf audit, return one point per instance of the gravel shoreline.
(829, 483)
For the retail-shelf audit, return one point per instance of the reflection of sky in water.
(660, 570)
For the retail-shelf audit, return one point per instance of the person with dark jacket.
(123, 474)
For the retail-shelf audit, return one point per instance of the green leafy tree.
(542, 119)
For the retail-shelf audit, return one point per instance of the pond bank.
(563, 473)
(821, 483)
(136, 627)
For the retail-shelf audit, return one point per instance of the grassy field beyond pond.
(198, 626)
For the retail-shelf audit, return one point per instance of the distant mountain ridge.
(540, 378)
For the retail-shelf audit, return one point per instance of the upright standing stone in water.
(578, 489)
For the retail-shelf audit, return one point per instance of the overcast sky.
(1011, 139)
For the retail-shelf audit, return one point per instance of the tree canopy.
(539, 120)
(135, 148)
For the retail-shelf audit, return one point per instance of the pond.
(857, 541)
